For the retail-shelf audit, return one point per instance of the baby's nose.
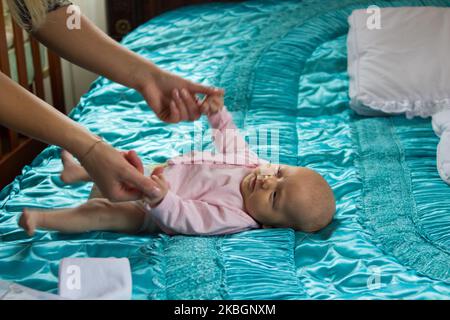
(268, 182)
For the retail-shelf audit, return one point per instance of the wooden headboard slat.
(56, 81)
(4, 61)
(7, 137)
(125, 15)
(20, 55)
(37, 66)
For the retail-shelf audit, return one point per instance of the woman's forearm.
(90, 48)
(23, 112)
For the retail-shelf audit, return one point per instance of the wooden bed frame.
(125, 15)
(16, 150)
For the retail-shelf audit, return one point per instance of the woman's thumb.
(133, 159)
(146, 185)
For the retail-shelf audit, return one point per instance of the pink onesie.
(204, 196)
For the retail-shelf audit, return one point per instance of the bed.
(283, 65)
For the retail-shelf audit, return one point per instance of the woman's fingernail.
(184, 92)
(177, 93)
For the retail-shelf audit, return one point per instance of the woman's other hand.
(173, 98)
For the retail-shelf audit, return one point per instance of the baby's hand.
(163, 188)
(212, 104)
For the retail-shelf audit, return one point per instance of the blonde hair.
(29, 14)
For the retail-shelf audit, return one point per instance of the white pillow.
(402, 67)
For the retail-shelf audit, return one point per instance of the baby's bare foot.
(72, 171)
(29, 221)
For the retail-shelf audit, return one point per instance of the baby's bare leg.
(94, 215)
(72, 172)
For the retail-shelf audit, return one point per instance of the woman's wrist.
(90, 150)
(81, 142)
(143, 73)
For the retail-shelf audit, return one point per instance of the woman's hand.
(93, 50)
(173, 98)
(118, 175)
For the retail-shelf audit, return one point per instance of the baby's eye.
(274, 196)
(279, 171)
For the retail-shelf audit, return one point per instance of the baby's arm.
(226, 136)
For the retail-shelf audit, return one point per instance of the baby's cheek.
(252, 206)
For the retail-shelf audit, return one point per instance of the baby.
(202, 193)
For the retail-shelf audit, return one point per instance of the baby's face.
(287, 196)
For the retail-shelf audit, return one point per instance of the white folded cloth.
(95, 278)
(13, 291)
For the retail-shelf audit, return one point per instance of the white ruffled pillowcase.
(402, 67)
(399, 63)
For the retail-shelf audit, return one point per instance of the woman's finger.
(184, 115)
(203, 108)
(171, 112)
(208, 108)
(190, 104)
(198, 88)
(144, 184)
(175, 116)
(132, 158)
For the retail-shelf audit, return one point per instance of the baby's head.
(282, 196)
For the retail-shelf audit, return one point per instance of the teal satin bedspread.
(283, 65)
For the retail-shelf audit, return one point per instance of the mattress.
(283, 65)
